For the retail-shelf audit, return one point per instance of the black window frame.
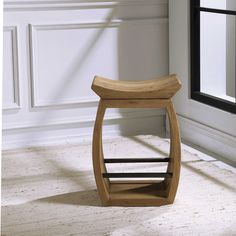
(196, 94)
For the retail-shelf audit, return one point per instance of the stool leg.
(175, 154)
(137, 193)
(98, 159)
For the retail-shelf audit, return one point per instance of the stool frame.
(136, 192)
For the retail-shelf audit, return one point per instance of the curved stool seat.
(162, 188)
(164, 87)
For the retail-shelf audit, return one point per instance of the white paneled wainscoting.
(52, 51)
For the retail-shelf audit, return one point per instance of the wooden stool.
(155, 93)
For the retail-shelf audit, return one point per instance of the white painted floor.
(51, 191)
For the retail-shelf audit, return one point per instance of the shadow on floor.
(188, 165)
(81, 198)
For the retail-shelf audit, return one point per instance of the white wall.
(203, 125)
(53, 49)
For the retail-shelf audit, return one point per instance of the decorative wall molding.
(33, 61)
(31, 5)
(33, 29)
(81, 131)
(15, 67)
(42, 121)
(208, 138)
(81, 102)
(131, 114)
(78, 25)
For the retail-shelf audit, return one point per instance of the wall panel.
(11, 89)
(61, 46)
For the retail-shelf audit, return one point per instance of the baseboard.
(222, 145)
(127, 124)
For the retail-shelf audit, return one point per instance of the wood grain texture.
(164, 87)
(98, 163)
(175, 154)
(143, 94)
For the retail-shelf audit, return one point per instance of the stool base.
(136, 192)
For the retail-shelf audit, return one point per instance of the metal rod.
(220, 11)
(137, 175)
(135, 160)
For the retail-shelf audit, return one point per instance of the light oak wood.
(98, 163)
(164, 87)
(175, 154)
(122, 94)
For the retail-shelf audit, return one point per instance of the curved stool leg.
(175, 154)
(98, 159)
(137, 193)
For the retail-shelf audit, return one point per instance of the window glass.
(219, 4)
(217, 55)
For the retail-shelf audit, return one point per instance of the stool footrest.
(135, 160)
(137, 175)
